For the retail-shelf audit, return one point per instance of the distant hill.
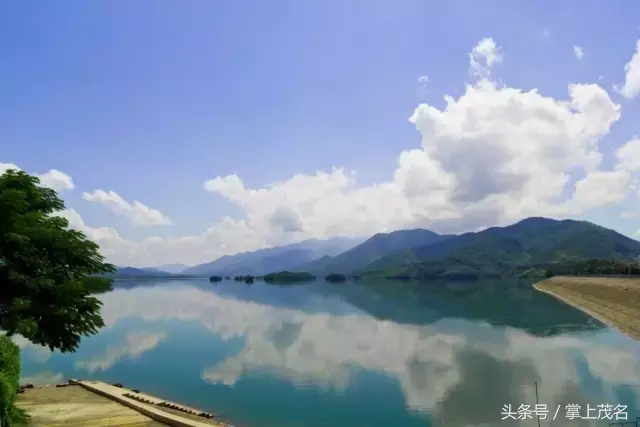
(264, 261)
(498, 251)
(169, 268)
(141, 272)
(375, 248)
(150, 269)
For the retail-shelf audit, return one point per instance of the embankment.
(614, 301)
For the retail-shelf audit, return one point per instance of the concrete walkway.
(175, 416)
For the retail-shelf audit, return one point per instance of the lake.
(353, 354)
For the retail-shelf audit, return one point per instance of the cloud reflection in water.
(461, 371)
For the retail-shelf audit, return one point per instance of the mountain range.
(377, 247)
(168, 268)
(499, 251)
(265, 261)
(496, 251)
(142, 272)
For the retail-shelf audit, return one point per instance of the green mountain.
(371, 250)
(499, 251)
(264, 261)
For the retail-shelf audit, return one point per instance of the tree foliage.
(46, 269)
(289, 277)
(9, 381)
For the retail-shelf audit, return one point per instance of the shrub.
(9, 380)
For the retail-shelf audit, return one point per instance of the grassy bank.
(614, 301)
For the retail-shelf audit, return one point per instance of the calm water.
(356, 354)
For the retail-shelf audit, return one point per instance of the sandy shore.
(613, 301)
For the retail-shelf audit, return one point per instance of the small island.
(215, 279)
(246, 279)
(335, 278)
(289, 277)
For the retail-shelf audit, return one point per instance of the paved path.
(147, 404)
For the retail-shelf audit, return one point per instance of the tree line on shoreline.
(282, 277)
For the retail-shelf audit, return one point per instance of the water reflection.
(456, 353)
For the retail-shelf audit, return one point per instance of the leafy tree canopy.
(46, 269)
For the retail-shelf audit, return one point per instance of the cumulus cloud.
(483, 57)
(491, 156)
(631, 86)
(601, 188)
(578, 52)
(6, 166)
(136, 343)
(629, 155)
(140, 215)
(54, 178)
(57, 180)
(423, 79)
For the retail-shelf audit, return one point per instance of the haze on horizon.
(177, 133)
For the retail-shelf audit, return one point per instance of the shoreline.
(585, 310)
(577, 297)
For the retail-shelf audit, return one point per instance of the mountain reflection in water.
(353, 354)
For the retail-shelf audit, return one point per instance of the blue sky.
(151, 99)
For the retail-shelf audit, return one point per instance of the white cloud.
(136, 343)
(631, 86)
(546, 33)
(227, 236)
(139, 214)
(54, 179)
(423, 79)
(628, 215)
(491, 156)
(6, 166)
(483, 56)
(57, 180)
(629, 155)
(578, 52)
(601, 188)
(530, 142)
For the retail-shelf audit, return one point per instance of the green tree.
(47, 271)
